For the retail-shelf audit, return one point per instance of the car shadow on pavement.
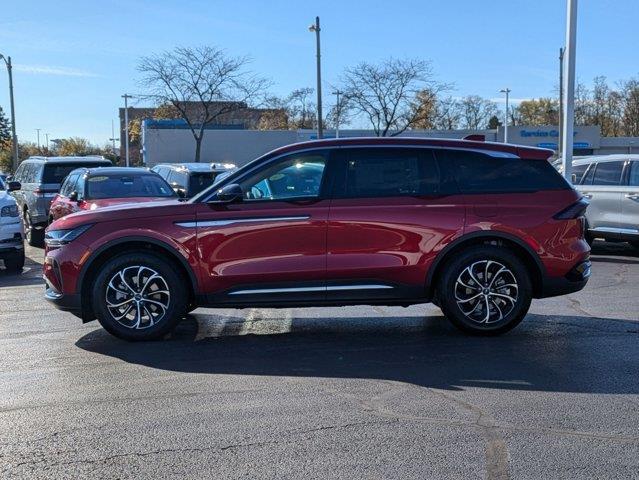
(31, 275)
(557, 353)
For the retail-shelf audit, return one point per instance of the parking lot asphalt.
(357, 392)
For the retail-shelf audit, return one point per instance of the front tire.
(34, 237)
(485, 290)
(139, 296)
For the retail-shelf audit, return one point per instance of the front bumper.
(11, 241)
(575, 280)
(66, 302)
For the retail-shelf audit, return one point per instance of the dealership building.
(171, 141)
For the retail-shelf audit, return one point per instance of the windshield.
(57, 172)
(127, 186)
(200, 181)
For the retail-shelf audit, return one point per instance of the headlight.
(56, 238)
(9, 211)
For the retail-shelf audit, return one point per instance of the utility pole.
(14, 137)
(113, 139)
(46, 137)
(338, 111)
(126, 97)
(561, 96)
(38, 130)
(316, 28)
(569, 89)
(507, 92)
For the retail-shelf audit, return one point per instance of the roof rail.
(475, 137)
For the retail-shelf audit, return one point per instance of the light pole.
(338, 111)
(561, 96)
(46, 138)
(126, 97)
(14, 137)
(113, 139)
(569, 89)
(507, 92)
(38, 130)
(316, 28)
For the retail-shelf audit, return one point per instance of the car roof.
(606, 158)
(69, 159)
(198, 167)
(449, 143)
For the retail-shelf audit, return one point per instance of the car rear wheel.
(15, 264)
(34, 237)
(139, 296)
(485, 290)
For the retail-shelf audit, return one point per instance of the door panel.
(271, 246)
(604, 195)
(630, 202)
(388, 220)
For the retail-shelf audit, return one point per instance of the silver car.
(611, 184)
(40, 179)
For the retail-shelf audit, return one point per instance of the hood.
(129, 211)
(108, 202)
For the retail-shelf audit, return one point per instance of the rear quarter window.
(477, 172)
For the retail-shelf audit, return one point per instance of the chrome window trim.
(231, 221)
(491, 153)
(310, 289)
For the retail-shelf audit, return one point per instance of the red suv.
(477, 228)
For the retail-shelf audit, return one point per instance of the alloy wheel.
(137, 297)
(486, 291)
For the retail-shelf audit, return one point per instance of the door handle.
(587, 195)
(632, 196)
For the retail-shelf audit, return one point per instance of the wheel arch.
(124, 244)
(524, 251)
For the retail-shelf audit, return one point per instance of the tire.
(508, 298)
(635, 244)
(15, 264)
(34, 237)
(135, 312)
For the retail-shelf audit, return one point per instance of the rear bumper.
(575, 280)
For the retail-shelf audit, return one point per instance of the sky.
(74, 59)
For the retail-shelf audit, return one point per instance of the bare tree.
(203, 84)
(385, 94)
(476, 112)
(301, 108)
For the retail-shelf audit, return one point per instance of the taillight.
(576, 210)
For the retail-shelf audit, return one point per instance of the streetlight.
(569, 89)
(14, 137)
(507, 92)
(316, 28)
(126, 97)
(338, 111)
(38, 130)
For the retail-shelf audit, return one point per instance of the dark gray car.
(40, 179)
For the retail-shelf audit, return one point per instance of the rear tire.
(485, 290)
(139, 296)
(15, 264)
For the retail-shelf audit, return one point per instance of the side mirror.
(180, 192)
(573, 178)
(229, 194)
(73, 196)
(12, 186)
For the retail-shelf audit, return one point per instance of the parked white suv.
(611, 185)
(11, 232)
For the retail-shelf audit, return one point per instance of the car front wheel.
(139, 296)
(34, 236)
(485, 290)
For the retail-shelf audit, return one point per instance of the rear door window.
(478, 172)
(56, 172)
(608, 173)
(633, 180)
(387, 172)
